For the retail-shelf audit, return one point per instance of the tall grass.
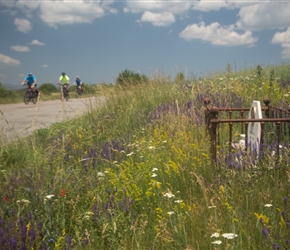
(136, 174)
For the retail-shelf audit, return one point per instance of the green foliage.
(6, 92)
(179, 78)
(48, 88)
(136, 173)
(128, 77)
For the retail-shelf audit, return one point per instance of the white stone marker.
(254, 128)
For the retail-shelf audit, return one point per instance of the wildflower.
(217, 242)
(130, 154)
(268, 205)
(100, 174)
(49, 196)
(170, 213)
(229, 236)
(62, 193)
(5, 198)
(153, 175)
(169, 195)
(154, 169)
(164, 141)
(151, 147)
(216, 235)
(211, 207)
(222, 189)
(23, 201)
(178, 201)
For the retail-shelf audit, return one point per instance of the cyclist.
(78, 82)
(30, 80)
(63, 81)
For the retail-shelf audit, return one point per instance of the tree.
(128, 77)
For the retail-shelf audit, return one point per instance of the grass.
(136, 174)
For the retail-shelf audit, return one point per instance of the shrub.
(5, 92)
(48, 88)
(128, 77)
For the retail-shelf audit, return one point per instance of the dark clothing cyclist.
(78, 82)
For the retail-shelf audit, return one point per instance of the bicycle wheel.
(34, 99)
(27, 97)
(78, 93)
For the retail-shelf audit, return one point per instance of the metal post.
(213, 134)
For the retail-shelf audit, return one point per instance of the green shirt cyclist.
(63, 79)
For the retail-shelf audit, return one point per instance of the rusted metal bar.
(231, 136)
(278, 132)
(242, 117)
(213, 132)
(251, 120)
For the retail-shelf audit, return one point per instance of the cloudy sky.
(97, 39)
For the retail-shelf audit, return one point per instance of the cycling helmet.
(63, 73)
(77, 77)
(29, 73)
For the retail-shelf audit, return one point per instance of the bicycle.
(30, 95)
(79, 92)
(64, 92)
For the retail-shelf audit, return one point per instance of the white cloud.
(23, 25)
(264, 15)
(218, 35)
(283, 38)
(158, 19)
(36, 42)
(20, 48)
(44, 65)
(8, 60)
(62, 12)
(175, 7)
(215, 5)
(205, 5)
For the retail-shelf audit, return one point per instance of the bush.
(128, 77)
(48, 88)
(5, 92)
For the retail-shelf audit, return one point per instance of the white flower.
(178, 201)
(23, 200)
(268, 205)
(100, 174)
(164, 141)
(154, 169)
(151, 147)
(153, 175)
(211, 207)
(169, 195)
(230, 236)
(215, 235)
(217, 242)
(170, 213)
(130, 154)
(49, 196)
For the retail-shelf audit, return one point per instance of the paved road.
(19, 120)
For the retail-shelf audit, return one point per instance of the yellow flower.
(222, 189)
(262, 218)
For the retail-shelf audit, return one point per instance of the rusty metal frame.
(273, 115)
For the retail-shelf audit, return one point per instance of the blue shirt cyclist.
(30, 80)
(78, 82)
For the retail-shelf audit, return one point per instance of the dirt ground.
(20, 120)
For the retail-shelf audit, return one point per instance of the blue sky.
(98, 39)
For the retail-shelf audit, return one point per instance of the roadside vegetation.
(49, 91)
(136, 173)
